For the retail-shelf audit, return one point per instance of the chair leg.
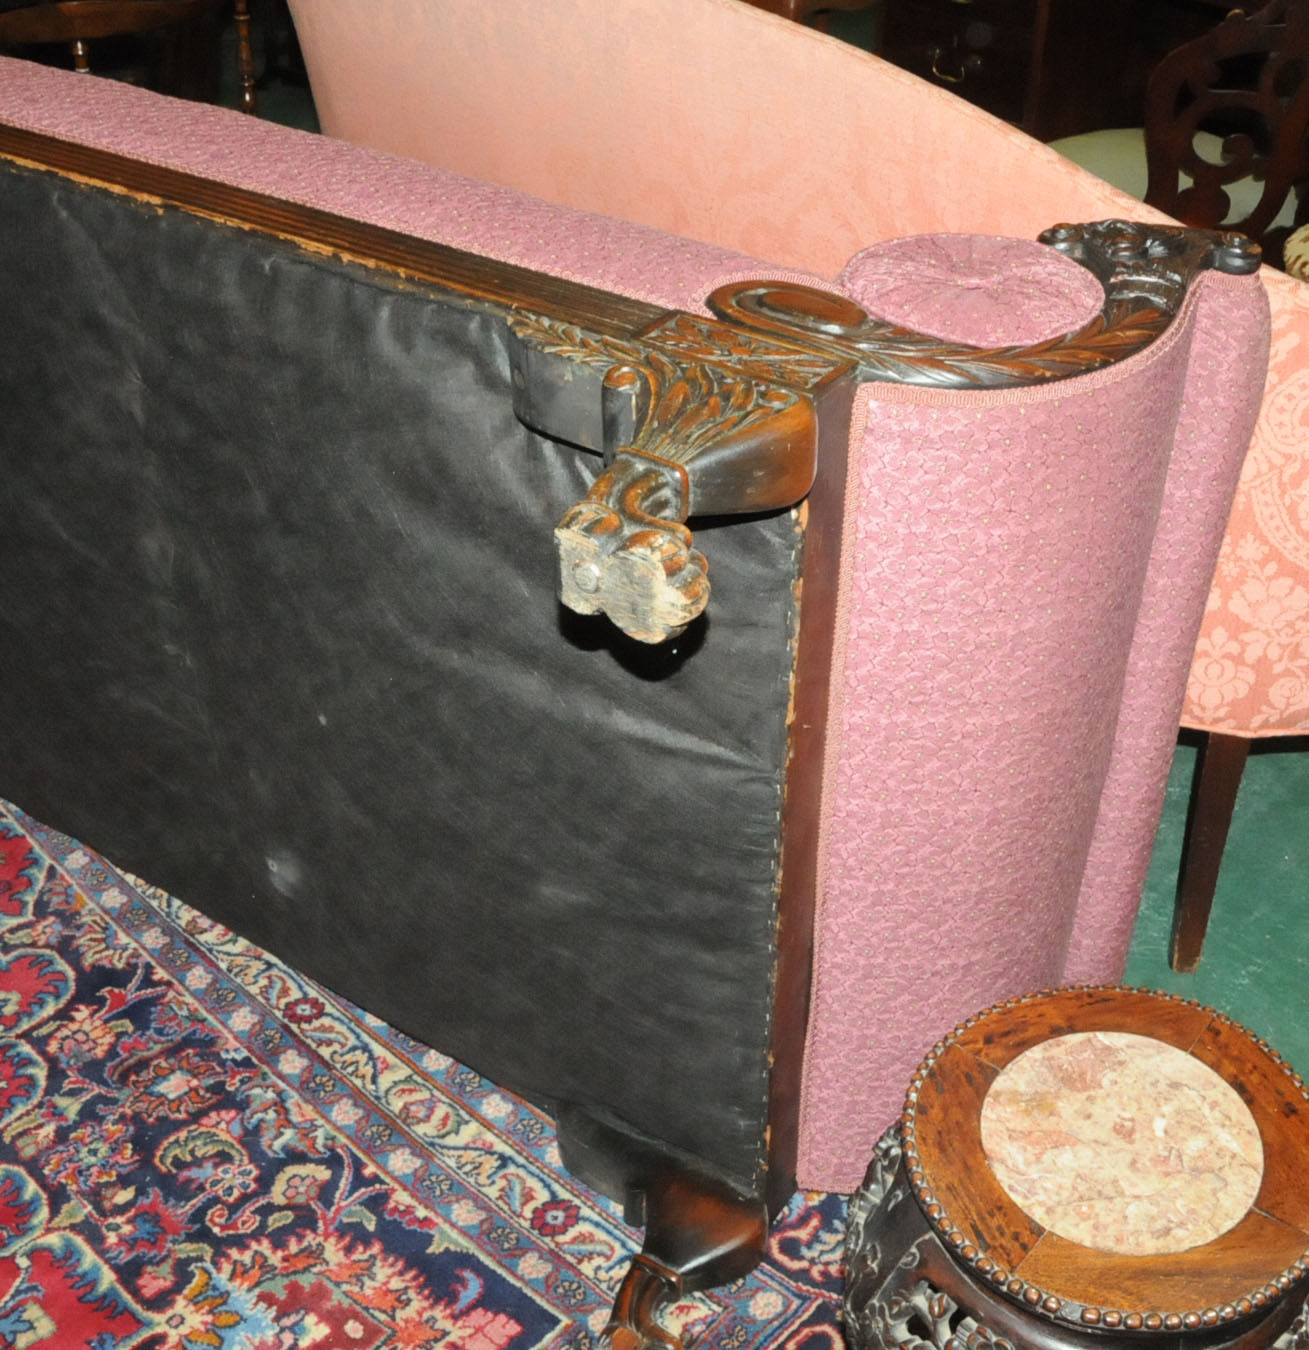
(1213, 798)
(245, 56)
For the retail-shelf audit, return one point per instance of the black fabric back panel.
(278, 630)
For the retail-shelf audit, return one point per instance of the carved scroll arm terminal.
(623, 551)
(700, 417)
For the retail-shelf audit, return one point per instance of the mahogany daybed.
(301, 444)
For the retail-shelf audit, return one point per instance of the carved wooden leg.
(633, 1324)
(245, 56)
(1213, 799)
(699, 1231)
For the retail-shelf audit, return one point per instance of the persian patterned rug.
(202, 1150)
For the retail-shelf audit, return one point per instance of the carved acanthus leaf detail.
(711, 413)
(554, 337)
(709, 430)
(752, 356)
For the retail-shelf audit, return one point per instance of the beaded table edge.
(1024, 1291)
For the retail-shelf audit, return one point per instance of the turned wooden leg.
(1213, 798)
(245, 56)
(699, 1231)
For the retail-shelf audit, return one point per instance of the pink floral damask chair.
(1249, 675)
(733, 126)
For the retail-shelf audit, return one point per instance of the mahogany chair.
(81, 22)
(1224, 135)
(1246, 83)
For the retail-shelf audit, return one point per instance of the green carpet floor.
(1255, 965)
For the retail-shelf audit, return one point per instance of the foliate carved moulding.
(1145, 271)
(720, 416)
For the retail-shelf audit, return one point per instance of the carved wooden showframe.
(742, 412)
(704, 417)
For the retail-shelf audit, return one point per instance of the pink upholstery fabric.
(429, 203)
(1219, 409)
(717, 121)
(979, 289)
(705, 117)
(1010, 581)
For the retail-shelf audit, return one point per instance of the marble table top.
(1122, 1143)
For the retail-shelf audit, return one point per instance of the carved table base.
(940, 1257)
(905, 1292)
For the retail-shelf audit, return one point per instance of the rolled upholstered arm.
(735, 435)
(1023, 574)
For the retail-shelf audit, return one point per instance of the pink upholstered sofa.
(972, 638)
(739, 128)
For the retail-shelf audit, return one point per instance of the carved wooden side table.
(1084, 1167)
